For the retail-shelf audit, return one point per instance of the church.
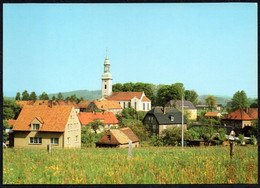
(136, 100)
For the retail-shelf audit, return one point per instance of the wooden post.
(232, 148)
(49, 148)
(130, 150)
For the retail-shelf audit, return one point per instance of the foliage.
(204, 132)
(33, 96)
(53, 98)
(25, 95)
(88, 138)
(169, 92)
(18, 96)
(241, 138)
(5, 135)
(172, 135)
(254, 104)
(222, 134)
(60, 96)
(95, 125)
(253, 140)
(239, 100)
(211, 102)
(73, 98)
(10, 109)
(44, 96)
(191, 96)
(152, 165)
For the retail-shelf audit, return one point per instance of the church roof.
(88, 117)
(125, 96)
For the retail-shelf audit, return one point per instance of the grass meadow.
(151, 165)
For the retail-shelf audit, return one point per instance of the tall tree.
(60, 96)
(18, 96)
(254, 104)
(95, 125)
(117, 87)
(33, 96)
(191, 96)
(169, 92)
(128, 86)
(10, 109)
(53, 98)
(239, 100)
(44, 96)
(211, 102)
(25, 95)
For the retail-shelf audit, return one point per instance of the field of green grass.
(153, 165)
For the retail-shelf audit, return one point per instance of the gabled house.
(118, 138)
(136, 100)
(40, 125)
(216, 115)
(187, 106)
(241, 118)
(108, 118)
(103, 105)
(49, 103)
(159, 119)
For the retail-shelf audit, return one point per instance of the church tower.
(106, 79)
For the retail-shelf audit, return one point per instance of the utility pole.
(182, 122)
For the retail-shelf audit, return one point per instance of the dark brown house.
(118, 138)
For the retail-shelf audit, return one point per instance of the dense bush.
(88, 138)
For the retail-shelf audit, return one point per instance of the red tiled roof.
(145, 99)
(47, 102)
(84, 104)
(239, 114)
(107, 104)
(253, 113)
(211, 114)
(87, 117)
(54, 119)
(11, 122)
(124, 96)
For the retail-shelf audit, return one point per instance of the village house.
(102, 105)
(218, 107)
(49, 103)
(40, 125)
(187, 106)
(136, 100)
(118, 138)
(108, 118)
(241, 118)
(215, 115)
(159, 119)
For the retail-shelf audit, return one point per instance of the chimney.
(164, 110)
(247, 110)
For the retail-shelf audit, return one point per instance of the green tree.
(169, 92)
(211, 102)
(88, 138)
(74, 98)
(44, 96)
(5, 135)
(33, 96)
(191, 96)
(18, 96)
(60, 96)
(117, 87)
(95, 125)
(172, 135)
(25, 95)
(53, 98)
(11, 110)
(254, 104)
(239, 100)
(128, 86)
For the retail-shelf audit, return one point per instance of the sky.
(209, 47)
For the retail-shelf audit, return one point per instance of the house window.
(105, 86)
(154, 127)
(76, 138)
(172, 118)
(109, 137)
(36, 126)
(68, 140)
(35, 140)
(143, 106)
(124, 104)
(129, 105)
(147, 106)
(55, 141)
(135, 105)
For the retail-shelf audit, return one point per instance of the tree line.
(44, 96)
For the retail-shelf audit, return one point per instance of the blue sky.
(209, 47)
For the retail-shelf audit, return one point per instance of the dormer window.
(36, 127)
(172, 118)
(109, 137)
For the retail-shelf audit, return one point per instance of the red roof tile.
(124, 96)
(47, 103)
(145, 99)
(84, 104)
(253, 113)
(11, 122)
(107, 117)
(54, 119)
(107, 104)
(239, 114)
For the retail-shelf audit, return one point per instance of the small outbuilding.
(118, 138)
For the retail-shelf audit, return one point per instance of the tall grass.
(154, 165)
